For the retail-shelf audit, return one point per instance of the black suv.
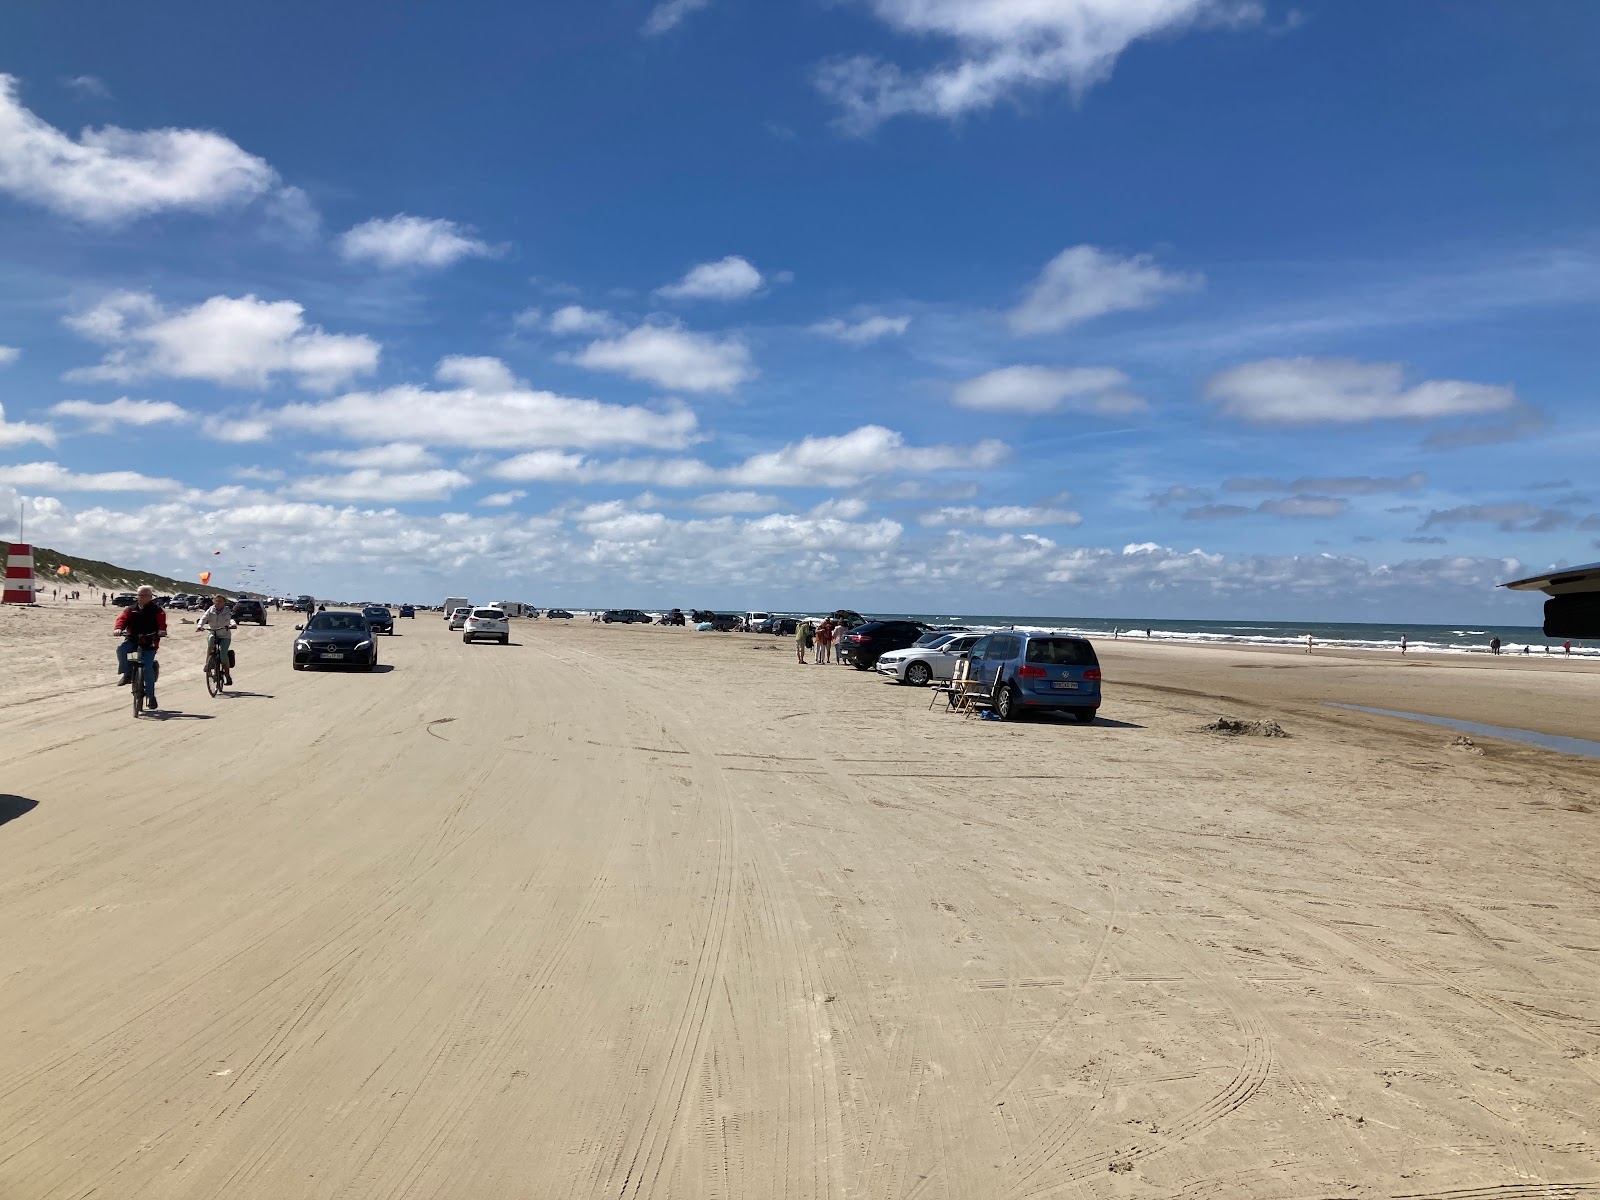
(379, 617)
(249, 610)
(864, 644)
(624, 616)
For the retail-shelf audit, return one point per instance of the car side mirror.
(298, 627)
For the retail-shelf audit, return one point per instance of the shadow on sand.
(12, 807)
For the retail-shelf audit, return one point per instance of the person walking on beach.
(802, 641)
(1494, 645)
(1402, 645)
(1566, 648)
(1309, 643)
(824, 640)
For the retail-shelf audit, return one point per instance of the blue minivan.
(1037, 672)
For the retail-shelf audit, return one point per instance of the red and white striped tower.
(19, 575)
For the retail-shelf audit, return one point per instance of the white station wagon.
(486, 625)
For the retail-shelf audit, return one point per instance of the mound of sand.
(1236, 728)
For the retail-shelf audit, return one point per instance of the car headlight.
(302, 645)
(363, 645)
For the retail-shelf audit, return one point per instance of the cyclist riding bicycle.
(142, 628)
(219, 623)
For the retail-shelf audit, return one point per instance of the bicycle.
(136, 678)
(216, 673)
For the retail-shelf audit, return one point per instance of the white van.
(451, 603)
(513, 608)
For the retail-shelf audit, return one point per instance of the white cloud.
(1005, 48)
(234, 341)
(88, 85)
(502, 499)
(667, 15)
(845, 508)
(848, 458)
(859, 333)
(15, 433)
(1347, 485)
(1008, 516)
(1084, 282)
(1100, 391)
(371, 484)
(114, 414)
(484, 405)
(735, 502)
(574, 319)
(1304, 506)
(842, 461)
(672, 357)
(257, 474)
(235, 429)
(407, 241)
(53, 477)
(731, 278)
(1308, 391)
(111, 175)
(9, 355)
(395, 456)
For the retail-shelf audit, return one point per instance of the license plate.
(1066, 687)
(331, 656)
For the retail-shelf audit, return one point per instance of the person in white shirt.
(219, 623)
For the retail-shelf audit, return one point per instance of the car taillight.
(1027, 672)
(854, 637)
(1092, 674)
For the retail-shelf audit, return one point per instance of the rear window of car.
(1061, 652)
(487, 614)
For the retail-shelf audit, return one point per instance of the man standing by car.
(142, 628)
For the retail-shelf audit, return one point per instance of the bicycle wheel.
(213, 676)
(138, 690)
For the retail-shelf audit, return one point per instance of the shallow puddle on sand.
(1547, 741)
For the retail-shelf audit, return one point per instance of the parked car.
(675, 617)
(624, 616)
(163, 601)
(407, 611)
(726, 622)
(1037, 672)
(245, 609)
(557, 614)
(380, 618)
(781, 626)
(921, 664)
(935, 632)
(862, 646)
(124, 600)
(486, 625)
(458, 617)
(305, 604)
(847, 617)
(335, 639)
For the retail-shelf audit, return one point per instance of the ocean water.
(1450, 639)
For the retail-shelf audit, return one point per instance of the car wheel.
(918, 674)
(299, 666)
(862, 664)
(505, 639)
(466, 640)
(1005, 702)
(1085, 715)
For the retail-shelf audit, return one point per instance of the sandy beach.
(640, 912)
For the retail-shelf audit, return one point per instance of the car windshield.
(938, 643)
(347, 622)
(1061, 652)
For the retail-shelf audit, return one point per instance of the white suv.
(486, 624)
(458, 618)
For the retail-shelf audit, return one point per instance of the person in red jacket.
(142, 628)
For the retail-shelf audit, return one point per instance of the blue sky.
(1096, 307)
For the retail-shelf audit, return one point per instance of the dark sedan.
(863, 645)
(249, 610)
(407, 610)
(379, 617)
(336, 639)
